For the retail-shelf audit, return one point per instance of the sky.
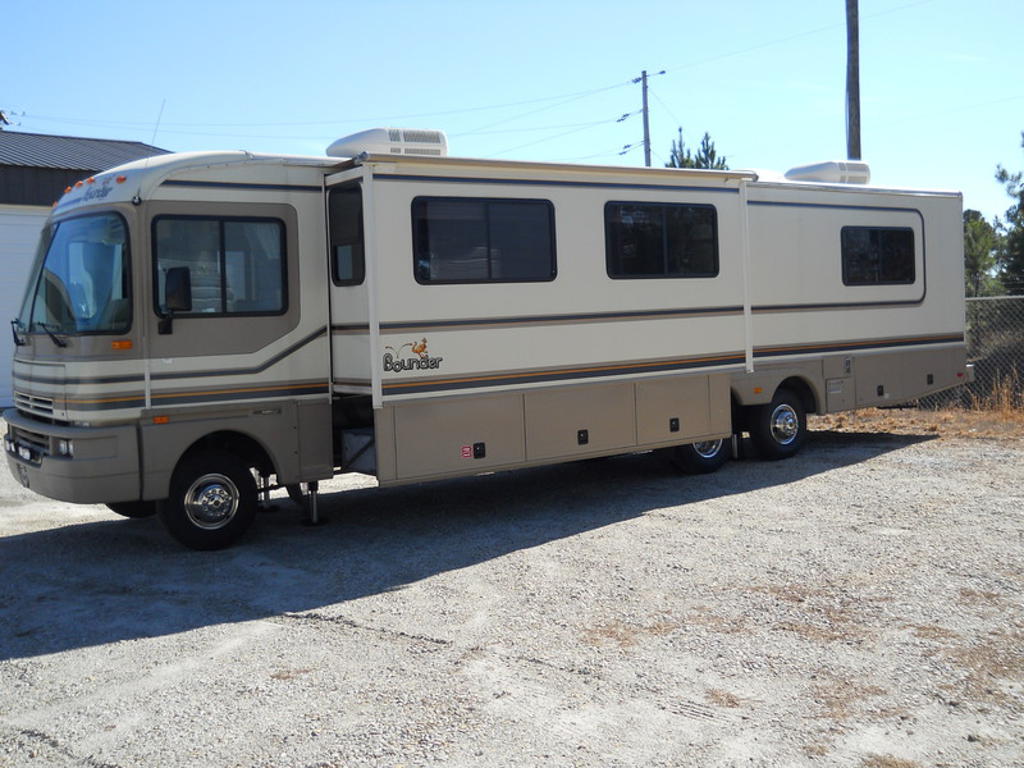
(942, 81)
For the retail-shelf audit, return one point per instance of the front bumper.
(102, 468)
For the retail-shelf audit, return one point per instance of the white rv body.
(390, 371)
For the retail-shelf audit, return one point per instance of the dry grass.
(722, 698)
(289, 674)
(986, 665)
(1006, 398)
(999, 414)
(841, 699)
(623, 635)
(1002, 424)
(931, 632)
(888, 761)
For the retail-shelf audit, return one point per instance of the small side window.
(645, 240)
(345, 209)
(481, 240)
(235, 266)
(877, 255)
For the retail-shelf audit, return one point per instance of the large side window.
(236, 266)
(877, 255)
(660, 240)
(464, 240)
(346, 224)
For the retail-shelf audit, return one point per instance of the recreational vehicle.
(200, 328)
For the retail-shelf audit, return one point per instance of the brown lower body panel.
(456, 436)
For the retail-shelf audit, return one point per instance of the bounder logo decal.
(393, 360)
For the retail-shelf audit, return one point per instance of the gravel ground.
(858, 605)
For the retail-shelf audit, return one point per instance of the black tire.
(778, 429)
(133, 509)
(701, 458)
(212, 501)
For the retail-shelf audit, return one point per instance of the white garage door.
(19, 230)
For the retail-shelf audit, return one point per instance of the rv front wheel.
(212, 501)
(701, 458)
(779, 428)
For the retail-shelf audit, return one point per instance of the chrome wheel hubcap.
(785, 424)
(707, 449)
(211, 501)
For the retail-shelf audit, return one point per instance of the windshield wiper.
(18, 340)
(50, 332)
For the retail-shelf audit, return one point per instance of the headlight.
(65, 448)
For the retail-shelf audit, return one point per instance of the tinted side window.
(236, 266)
(877, 256)
(348, 265)
(660, 240)
(463, 240)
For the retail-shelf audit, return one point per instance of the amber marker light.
(66, 190)
(758, 390)
(121, 179)
(121, 344)
(79, 184)
(161, 419)
(91, 180)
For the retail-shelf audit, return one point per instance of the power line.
(385, 118)
(536, 128)
(548, 138)
(667, 109)
(788, 38)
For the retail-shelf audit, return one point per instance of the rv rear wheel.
(212, 501)
(135, 509)
(701, 458)
(779, 428)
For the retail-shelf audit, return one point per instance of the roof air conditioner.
(834, 172)
(391, 141)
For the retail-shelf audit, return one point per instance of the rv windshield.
(81, 285)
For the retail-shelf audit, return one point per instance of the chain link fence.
(995, 344)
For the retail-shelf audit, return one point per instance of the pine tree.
(1011, 250)
(981, 244)
(706, 156)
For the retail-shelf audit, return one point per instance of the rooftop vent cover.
(834, 172)
(391, 141)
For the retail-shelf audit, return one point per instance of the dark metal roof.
(37, 150)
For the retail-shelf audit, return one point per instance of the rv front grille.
(33, 403)
(30, 445)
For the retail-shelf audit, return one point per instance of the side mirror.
(177, 296)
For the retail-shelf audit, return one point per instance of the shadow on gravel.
(100, 582)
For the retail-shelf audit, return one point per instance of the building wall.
(19, 232)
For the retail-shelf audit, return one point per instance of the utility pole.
(647, 127)
(852, 81)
